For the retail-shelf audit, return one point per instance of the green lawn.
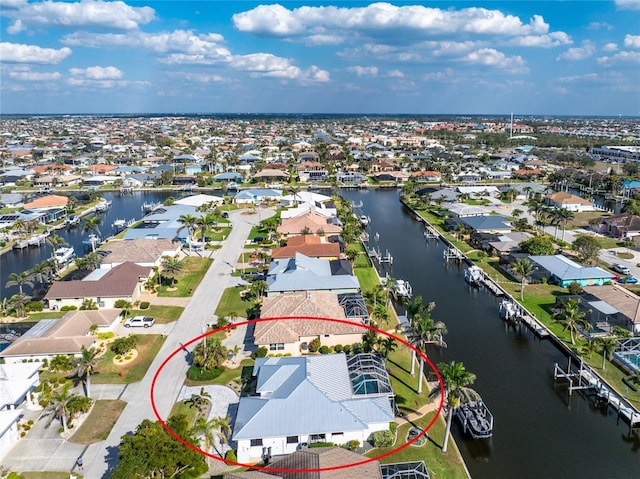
(45, 315)
(228, 377)
(368, 278)
(232, 304)
(440, 465)
(109, 373)
(101, 420)
(182, 407)
(405, 386)
(193, 270)
(163, 314)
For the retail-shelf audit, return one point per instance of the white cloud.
(395, 74)
(600, 26)
(84, 14)
(548, 40)
(628, 4)
(618, 58)
(21, 53)
(34, 76)
(378, 18)
(268, 65)
(632, 41)
(364, 71)
(197, 77)
(578, 53)
(97, 73)
(610, 47)
(490, 57)
(16, 27)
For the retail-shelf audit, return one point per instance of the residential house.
(309, 245)
(304, 400)
(257, 195)
(613, 304)
(622, 226)
(66, 336)
(302, 273)
(487, 224)
(47, 202)
(564, 271)
(504, 243)
(163, 222)
(141, 251)
(11, 200)
(104, 286)
(309, 223)
(427, 176)
(292, 336)
(270, 175)
(563, 199)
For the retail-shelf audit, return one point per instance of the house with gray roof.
(303, 273)
(563, 271)
(302, 400)
(163, 222)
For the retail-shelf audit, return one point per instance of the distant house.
(563, 271)
(270, 175)
(163, 222)
(427, 176)
(104, 286)
(229, 176)
(625, 225)
(66, 336)
(302, 273)
(562, 199)
(462, 210)
(305, 400)
(47, 202)
(11, 200)
(257, 195)
(488, 224)
(293, 336)
(350, 178)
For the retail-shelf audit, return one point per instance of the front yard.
(193, 270)
(107, 372)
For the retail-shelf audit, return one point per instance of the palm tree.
(20, 280)
(572, 318)
(209, 354)
(56, 241)
(381, 313)
(589, 346)
(171, 268)
(607, 347)
(388, 345)
(565, 215)
(415, 309)
(41, 272)
(92, 225)
(524, 268)
(189, 222)
(200, 401)
(422, 332)
(205, 222)
(18, 302)
(84, 366)
(455, 379)
(58, 407)
(209, 430)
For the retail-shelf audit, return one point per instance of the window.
(292, 439)
(326, 335)
(256, 442)
(276, 347)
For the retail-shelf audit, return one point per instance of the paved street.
(101, 458)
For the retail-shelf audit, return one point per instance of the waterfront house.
(309, 223)
(104, 286)
(17, 383)
(495, 224)
(66, 336)
(257, 195)
(11, 200)
(309, 245)
(563, 271)
(302, 273)
(562, 199)
(612, 305)
(270, 175)
(316, 458)
(427, 176)
(47, 202)
(141, 251)
(292, 336)
(163, 222)
(303, 400)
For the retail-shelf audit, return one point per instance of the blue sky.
(529, 57)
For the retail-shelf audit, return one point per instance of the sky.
(409, 57)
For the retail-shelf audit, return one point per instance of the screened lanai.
(354, 306)
(368, 375)
(405, 470)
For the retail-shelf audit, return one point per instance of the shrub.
(392, 427)
(324, 349)
(69, 308)
(262, 352)
(231, 456)
(34, 306)
(105, 336)
(120, 303)
(382, 438)
(346, 348)
(145, 305)
(196, 373)
(79, 404)
(338, 348)
(574, 288)
(122, 346)
(321, 444)
(353, 444)
(314, 345)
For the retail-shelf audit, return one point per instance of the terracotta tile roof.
(309, 245)
(565, 198)
(311, 221)
(52, 167)
(120, 281)
(49, 201)
(101, 168)
(317, 304)
(318, 458)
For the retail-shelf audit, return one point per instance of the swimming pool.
(631, 359)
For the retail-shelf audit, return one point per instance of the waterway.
(539, 432)
(123, 207)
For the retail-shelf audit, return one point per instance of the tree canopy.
(538, 245)
(152, 453)
(587, 246)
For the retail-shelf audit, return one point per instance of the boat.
(93, 240)
(148, 207)
(364, 220)
(37, 240)
(473, 275)
(508, 310)
(399, 288)
(103, 205)
(118, 224)
(64, 254)
(72, 221)
(476, 419)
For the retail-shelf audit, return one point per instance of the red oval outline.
(275, 469)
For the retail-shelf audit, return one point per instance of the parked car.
(139, 322)
(620, 268)
(627, 280)
(225, 214)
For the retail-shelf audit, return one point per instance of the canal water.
(539, 432)
(123, 207)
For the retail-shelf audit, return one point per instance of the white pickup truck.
(139, 321)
